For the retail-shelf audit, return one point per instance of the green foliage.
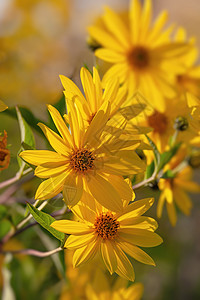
(45, 220)
(167, 156)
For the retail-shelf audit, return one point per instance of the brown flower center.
(106, 226)
(82, 160)
(138, 57)
(158, 121)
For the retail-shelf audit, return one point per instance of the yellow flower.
(111, 234)
(3, 106)
(177, 116)
(144, 57)
(189, 79)
(122, 112)
(174, 192)
(85, 159)
(102, 290)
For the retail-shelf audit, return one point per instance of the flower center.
(138, 57)
(158, 121)
(82, 160)
(106, 226)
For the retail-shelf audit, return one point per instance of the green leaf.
(168, 174)
(167, 156)
(45, 221)
(27, 116)
(5, 226)
(27, 136)
(150, 169)
(3, 211)
(155, 151)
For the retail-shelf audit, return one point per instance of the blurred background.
(40, 39)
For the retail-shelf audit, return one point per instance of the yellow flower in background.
(30, 59)
(85, 159)
(111, 234)
(188, 81)
(102, 290)
(174, 191)
(177, 116)
(144, 57)
(3, 106)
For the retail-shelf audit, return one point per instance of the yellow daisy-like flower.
(144, 57)
(111, 234)
(85, 159)
(177, 116)
(3, 106)
(174, 192)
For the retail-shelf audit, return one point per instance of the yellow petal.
(119, 70)
(50, 187)
(84, 254)
(55, 140)
(115, 25)
(138, 208)
(135, 16)
(74, 123)
(136, 253)
(108, 256)
(158, 25)
(124, 267)
(61, 126)
(43, 157)
(44, 172)
(71, 227)
(104, 193)
(75, 242)
(183, 201)
(140, 237)
(122, 187)
(146, 19)
(160, 205)
(98, 88)
(105, 39)
(71, 88)
(138, 222)
(88, 87)
(171, 213)
(72, 189)
(110, 56)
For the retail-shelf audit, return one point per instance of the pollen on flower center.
(106, 226)
(158, 121)
(138, 57)
(82, 160)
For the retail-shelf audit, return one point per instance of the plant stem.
(33, 252)
(15, 178)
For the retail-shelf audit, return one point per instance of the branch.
(14, 179)
(33, 252)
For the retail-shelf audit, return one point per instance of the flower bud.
(181, 124)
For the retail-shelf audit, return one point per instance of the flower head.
(111, 234)
(144, 57)
(86, 157)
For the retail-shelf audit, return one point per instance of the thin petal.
(88, 87)
(55, 140)
(171, 213)
(136, 253)
(50, 187)
(73, 189)
(104, 193)
(45, 172)
(71, 227)
(138, 222)
(75, 242)
(61, 126)
(137, 208)
(122, 187)
(124, 267)
(140, 237)
(85, 253)
(43, 157)
(110, 56)
(108, 256)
